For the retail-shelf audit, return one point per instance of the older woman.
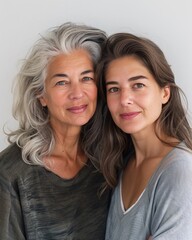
(50, 188)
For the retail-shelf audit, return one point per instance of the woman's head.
(70, 94)
(30, 84)
(172, 118)
(152, 58)
(133, 97)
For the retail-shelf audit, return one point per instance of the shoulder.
(11, 152)
(178, 161)
(11, 161)
(170, 193)
(174, 174)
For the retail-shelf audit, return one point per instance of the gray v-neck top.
(164, 209)
(36, 204)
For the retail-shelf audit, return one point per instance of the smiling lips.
(129, 116)
(77, 109)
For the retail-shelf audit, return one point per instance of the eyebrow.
(130, 79)
(65, 75)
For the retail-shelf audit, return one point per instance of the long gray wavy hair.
(34, 134)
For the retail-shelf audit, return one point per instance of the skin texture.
(71, 97)
(135, 101)
(133, 96)
(70, 89)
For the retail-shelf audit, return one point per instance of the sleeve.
(11, 220)
(172, 210)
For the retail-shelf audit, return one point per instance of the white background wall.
(167, 22)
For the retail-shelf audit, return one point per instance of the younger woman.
(146, 123)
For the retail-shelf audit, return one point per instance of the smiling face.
(133, 96)
(70, 89)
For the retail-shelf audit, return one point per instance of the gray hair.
(34, 134)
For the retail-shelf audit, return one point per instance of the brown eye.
(113, 90)
(138, 85)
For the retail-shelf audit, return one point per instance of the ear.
(166, 91)
(43, 101)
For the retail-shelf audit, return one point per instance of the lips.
(129, 116)
(77, 109)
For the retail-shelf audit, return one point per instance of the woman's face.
(133, 96)
(70, 89)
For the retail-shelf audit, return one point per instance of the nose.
(126, 97)
(76, 91)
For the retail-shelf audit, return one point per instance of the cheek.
(112, 104)
(154, 106)
(56, 101)
(93, 94)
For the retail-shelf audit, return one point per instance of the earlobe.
(166, 94)
(42, 101)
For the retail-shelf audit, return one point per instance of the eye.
(138, 85)
(113, 89)
(88, 79)
(61, 83)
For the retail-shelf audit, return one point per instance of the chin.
(82, 122)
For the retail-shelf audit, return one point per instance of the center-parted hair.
(172, 121)
(35, 135)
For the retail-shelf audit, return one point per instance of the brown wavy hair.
(173, 119)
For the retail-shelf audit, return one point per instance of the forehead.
(125, 65)
(75, 58)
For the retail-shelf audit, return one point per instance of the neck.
(151, 147)
(66, 140)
